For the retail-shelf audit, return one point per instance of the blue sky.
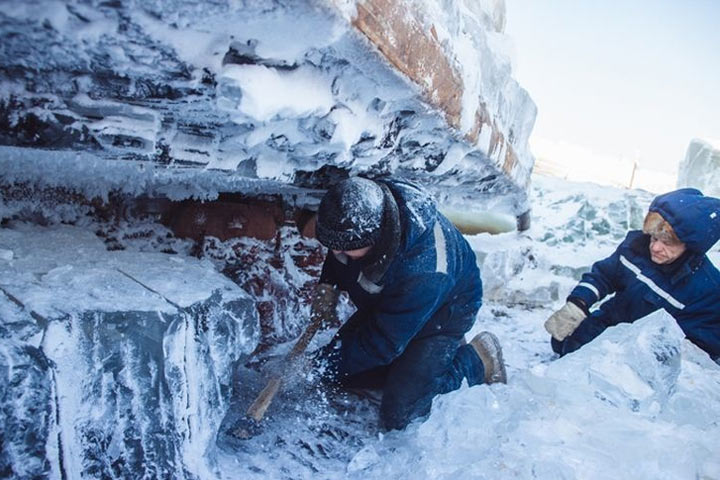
(634, 79)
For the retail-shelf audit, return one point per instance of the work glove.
(563, 323)
(325, 362)
(323, 311)
(324, 304)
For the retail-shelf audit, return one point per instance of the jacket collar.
(376, 264)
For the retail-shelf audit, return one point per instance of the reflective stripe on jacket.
(688, 290)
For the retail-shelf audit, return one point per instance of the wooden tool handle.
(323, 306)
(262, 402)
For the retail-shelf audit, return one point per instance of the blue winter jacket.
(431, 286)
(688, 289)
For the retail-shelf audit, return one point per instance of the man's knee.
(415, 378)
(397, 410)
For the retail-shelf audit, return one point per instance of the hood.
(694, 217)
(417, 209)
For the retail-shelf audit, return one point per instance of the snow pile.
(220, 96)
(296, 93)
(639, 402)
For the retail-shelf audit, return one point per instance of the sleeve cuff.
(586, 292)
(580, 303)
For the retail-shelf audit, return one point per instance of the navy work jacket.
(431, 286)
(688, 289)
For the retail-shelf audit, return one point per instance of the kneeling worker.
(415, 283)
(663, 266)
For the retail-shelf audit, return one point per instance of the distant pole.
(632, 175)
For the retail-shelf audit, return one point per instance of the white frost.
(269, 93)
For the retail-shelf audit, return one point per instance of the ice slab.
(131, 355)
(701, 167)
(635, 403)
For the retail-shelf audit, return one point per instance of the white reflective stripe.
(440, 249)
(653, 286)
(590, 287)
(342, 258)
(367, 285)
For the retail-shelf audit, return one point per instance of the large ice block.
(125, 357)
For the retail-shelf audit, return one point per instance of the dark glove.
(324, 304)
(326, 360)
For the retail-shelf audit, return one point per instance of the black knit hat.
(350, 215)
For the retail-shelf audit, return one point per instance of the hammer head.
(244, 428)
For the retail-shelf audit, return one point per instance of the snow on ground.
(639, 402)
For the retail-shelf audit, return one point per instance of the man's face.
(354, 254)
(663, 251)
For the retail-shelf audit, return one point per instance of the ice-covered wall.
(701, 167)
(112, 364)
(294, 93)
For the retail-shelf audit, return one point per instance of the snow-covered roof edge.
(447, 53)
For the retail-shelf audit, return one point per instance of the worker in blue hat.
(416, 285)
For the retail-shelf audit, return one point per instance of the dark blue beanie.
(350, 215)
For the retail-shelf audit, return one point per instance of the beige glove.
(564, 322)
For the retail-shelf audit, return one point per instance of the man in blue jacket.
(417, 289)
(663, 266)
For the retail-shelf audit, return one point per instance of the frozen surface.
(123, 377)
(701, 167)
(184, 99)
(624, 407)
(122, 364)
(73, 264)
(114, 364)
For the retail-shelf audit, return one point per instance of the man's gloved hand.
(325, 362)
(323, 309)
(564, 322)
(324, 304)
